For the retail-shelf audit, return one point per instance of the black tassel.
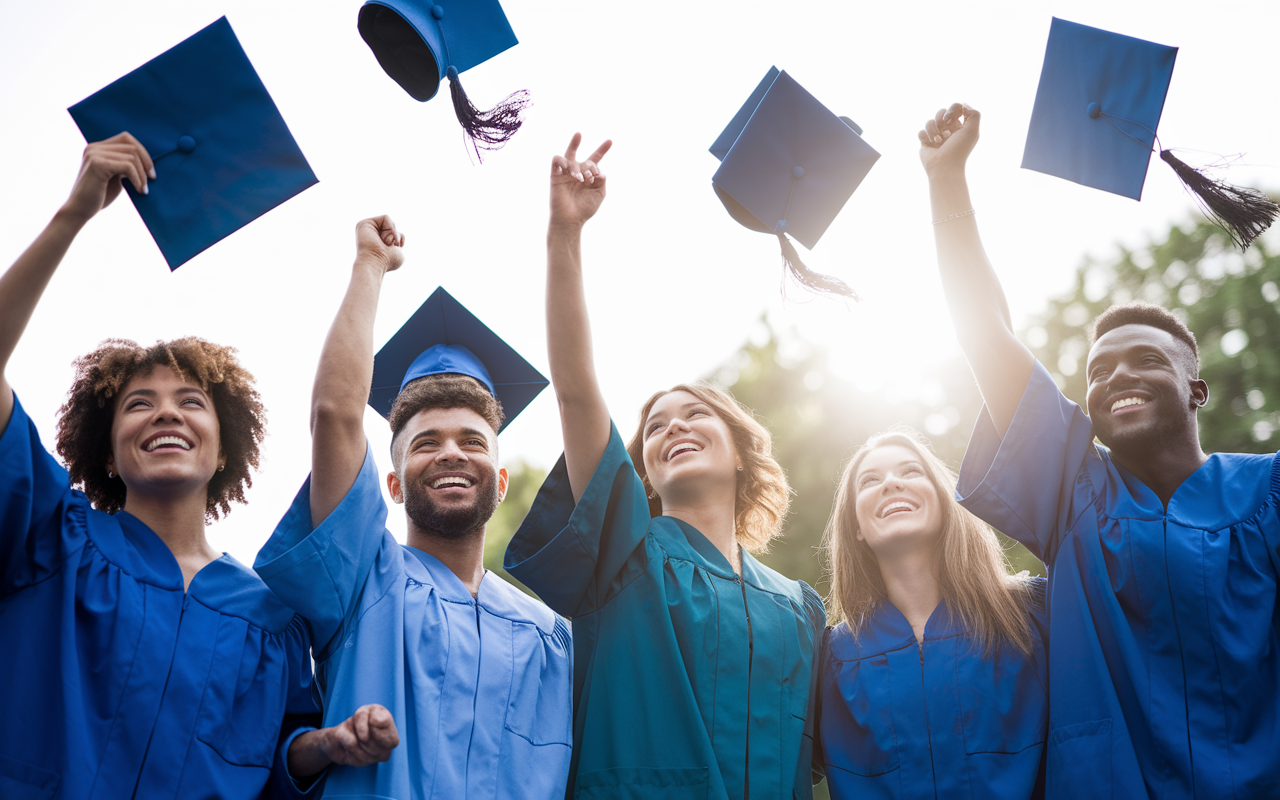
(814, 281)
(1242, 212)
(488, 130)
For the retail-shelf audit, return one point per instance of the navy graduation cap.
(442, 337)
(421, 42)
(787, 166)
(223, 154)
(1095, 117)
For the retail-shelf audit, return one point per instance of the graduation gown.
(118, 683)
(906, 721)
(479, 687)
(1164, 668)
(688, 681)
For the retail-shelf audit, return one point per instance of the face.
(448, 479)
(165, 437)
(688, 448)
(898, 507)
(1141, 388)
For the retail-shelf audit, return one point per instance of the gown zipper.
(928, 733)
(751, 650)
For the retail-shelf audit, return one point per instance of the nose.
(450, 451)
(168, 409)
(678, 425)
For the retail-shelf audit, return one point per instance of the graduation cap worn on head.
(443, 337)
(420, 42)
(1095, 117)
(787, 166)
(223, 154)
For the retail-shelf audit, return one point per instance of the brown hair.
(84, 422)
(1139, 313)
(763, 494)
(445, 390)
(971, 567)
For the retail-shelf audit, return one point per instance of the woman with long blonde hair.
(932, 680)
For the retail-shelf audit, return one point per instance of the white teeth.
(163, 440)
(1126, 402)
(681, 448)
(898, 506)
(450, 480)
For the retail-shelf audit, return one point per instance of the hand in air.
(378, 239)
(366, 737)
(948, 138)
(577, 187)
(102, 167)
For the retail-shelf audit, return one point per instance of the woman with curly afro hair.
(144, 663)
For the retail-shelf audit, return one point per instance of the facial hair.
(450, 523)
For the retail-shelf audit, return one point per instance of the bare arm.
(101, 169)
(366, 737)
(577, 189)
(1000, 362)
(346, 370)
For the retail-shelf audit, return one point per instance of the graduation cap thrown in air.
(421, 42)
(787, 166)
(222, 153)
(1095, 117)
(442, 337)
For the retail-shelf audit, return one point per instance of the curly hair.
(85, 420)
(1139, 313)
(446, 390)
(763, 495)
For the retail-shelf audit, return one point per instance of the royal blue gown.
(1164, 670)
(118, 683)
(689, 681)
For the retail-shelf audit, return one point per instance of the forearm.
(307, 755)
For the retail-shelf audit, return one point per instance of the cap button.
(797, 172)
(782, 224)
(186, 144)
(437, 11)
(1094, 110)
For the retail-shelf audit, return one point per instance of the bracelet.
(968, 213)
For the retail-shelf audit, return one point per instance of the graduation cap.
(420, 42)
(787, 166)
(223, 154)
(443, 337)
(1095, 118)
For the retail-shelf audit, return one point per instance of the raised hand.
(948, 138)
(378, 240)
(577, 187)
(102, 167)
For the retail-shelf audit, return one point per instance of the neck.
(912, 586)
(1164, 466)
(464, 555)
(179, 522)
(714, 520)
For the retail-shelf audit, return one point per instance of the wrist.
(946, 175)
(70, 219)
(371, 264)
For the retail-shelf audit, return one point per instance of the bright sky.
(675, 285)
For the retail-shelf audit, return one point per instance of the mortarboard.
(787, 166)
(1095, 117)
(442, 337)
(421, 42)
(223, 154)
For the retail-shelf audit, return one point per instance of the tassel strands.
(814, 281)
(487, 130)
(1243, 213)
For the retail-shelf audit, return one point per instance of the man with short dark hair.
(474, 676)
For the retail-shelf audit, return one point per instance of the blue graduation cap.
(420, 42)
(442, 337)
(223, 154)
(1095, 117)
(787, 166)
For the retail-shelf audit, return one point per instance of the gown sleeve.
(571, 555)
(1023, 485)
(302, 714)
(810, 770)
(320, 572)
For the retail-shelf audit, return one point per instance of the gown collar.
(496, 596)
(1222, 492)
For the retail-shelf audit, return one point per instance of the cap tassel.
(809, 279)
(1243, 213)
(488, 130)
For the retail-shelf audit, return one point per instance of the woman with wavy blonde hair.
(692, 660)
(933, 679)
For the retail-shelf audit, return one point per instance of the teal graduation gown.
(1164, 670)
(480, 688)
(689, 682)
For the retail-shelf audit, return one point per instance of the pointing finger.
(571, 152)
(600, 151)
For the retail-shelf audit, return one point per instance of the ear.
(393, 486)
(1199, 394)
(502, 483)
(111, 463)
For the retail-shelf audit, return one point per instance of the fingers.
(367, 737)
(382, 727)
(141, 151)
(932, 132)
(360, 724)
(600, 151)
(571, 152)
(559, 165)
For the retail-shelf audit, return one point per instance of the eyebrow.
(684, 407)
(461, 432)
(153, 393)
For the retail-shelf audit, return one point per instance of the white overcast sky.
(674, 284)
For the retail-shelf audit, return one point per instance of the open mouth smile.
(1127, 402)
(683, 447)
(166, 441)
(897, 507)
(453, 482)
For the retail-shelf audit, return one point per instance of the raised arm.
(346, 370)
(1000, 362)
(577, 189)
(102, 167)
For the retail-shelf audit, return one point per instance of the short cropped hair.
(84, 422)
(1139, 313)
(446, 390)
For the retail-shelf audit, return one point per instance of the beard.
(457, 522)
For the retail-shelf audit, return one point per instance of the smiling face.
(897, 505)
(1142, 388)
(165, 435)
(688, 449)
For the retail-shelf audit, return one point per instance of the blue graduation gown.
(909, 722)
(480, 688)
(1164, 668)
(688, 681)
(118, 683)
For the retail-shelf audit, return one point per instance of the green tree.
(522, 488)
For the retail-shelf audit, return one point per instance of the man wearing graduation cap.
(1164, 653)
(477, 676)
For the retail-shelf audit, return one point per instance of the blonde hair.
(971, 567)
(763, 495)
